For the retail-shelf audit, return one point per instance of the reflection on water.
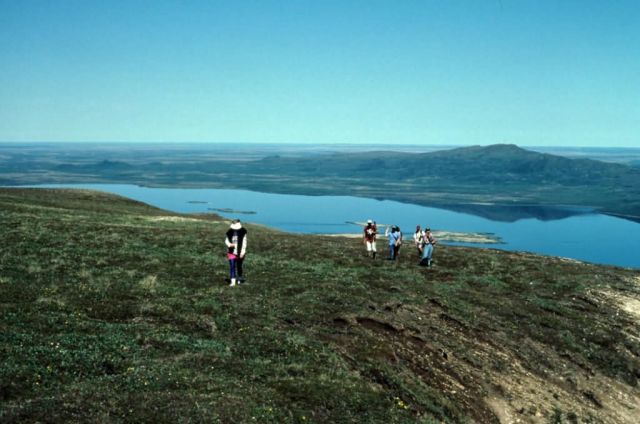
(513, 213)
(558, 231)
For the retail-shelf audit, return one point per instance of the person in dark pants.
(236, 241)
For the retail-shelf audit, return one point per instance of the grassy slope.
(114, 311)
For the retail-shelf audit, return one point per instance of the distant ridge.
(496, 164)
(501, 174)
(475, 178)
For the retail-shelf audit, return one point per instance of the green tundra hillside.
(112, 311)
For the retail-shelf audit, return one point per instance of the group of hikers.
(423, 241)
(236, 242)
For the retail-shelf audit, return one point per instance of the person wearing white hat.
(236, 242)
(370, 234)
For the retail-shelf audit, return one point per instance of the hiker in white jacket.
(236, 241)
(418, 239)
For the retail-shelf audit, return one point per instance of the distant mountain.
(501, 181)
(500, 175)
(501, 163)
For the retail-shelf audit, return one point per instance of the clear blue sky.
(534, 73)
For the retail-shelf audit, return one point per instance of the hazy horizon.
(633, 151)
(309, 145)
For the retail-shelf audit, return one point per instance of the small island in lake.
(228, 210)
(457, 237)
(440, 235)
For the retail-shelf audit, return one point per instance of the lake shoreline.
(440, 236)
(552, 234)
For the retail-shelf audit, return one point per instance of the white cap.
(369, 221)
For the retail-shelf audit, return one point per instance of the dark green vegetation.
(508, 178)
(501, 182)
(113, 311)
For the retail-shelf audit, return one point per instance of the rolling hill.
(114, 311)
(497, 163)
(501, 175)
(503, 182)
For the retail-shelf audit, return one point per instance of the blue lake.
(589, 237)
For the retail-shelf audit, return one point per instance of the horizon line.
(310, 144)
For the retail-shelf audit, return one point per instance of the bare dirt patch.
(488, 380)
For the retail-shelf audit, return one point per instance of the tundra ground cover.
(115, 311)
